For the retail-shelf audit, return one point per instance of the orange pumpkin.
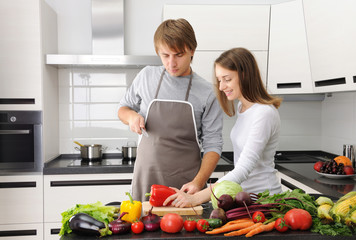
(342, 159)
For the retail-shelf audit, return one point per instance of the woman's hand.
(180, 199)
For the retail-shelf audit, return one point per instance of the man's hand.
(191, 187)
(132, 118)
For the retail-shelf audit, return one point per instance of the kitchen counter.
(111, 163)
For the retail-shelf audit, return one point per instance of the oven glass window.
(16, 145)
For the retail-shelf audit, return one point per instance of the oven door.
(20, 147)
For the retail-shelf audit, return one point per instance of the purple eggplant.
(84, 224)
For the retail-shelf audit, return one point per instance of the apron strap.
(188, 89)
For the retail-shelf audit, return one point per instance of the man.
(179, 111)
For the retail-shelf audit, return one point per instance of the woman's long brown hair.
(252, 89)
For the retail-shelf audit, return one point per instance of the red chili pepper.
(159, 193)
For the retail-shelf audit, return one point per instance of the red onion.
(119, 226)
(151, 221)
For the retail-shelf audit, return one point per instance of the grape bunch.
(331, 167)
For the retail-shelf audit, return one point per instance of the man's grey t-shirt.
(207, 112)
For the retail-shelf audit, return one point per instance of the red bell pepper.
(159, 193)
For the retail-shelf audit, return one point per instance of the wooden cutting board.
(161, 211)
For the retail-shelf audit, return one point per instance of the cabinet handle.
(13, 233)
(3, 132)
(289, 85)
(55, 231)
(17, 184)
(330, 82)
(288, 184)
(354, 77)
(17, 101)
(90, 183)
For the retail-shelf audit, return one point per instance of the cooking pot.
(129, 152)
(91, 152)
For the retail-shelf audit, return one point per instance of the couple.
(180, 112)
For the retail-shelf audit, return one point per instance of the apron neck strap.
(188, 89)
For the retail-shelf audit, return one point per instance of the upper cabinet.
(288, 61)
(331, 34)
(222, 27)
(27, 31)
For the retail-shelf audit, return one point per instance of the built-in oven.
(21, 141)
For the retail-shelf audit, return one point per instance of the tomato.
(190, 225)
(281, 225)
(318, 165)
(137, 227)
(202, 225)
(258, 217)
(171, 223)
(298, 219)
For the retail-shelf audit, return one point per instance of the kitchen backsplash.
(88, 114)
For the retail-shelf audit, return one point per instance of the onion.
(120, 226)
(151, 222)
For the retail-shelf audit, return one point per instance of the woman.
(256, 131)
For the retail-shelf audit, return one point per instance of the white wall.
(88, 97)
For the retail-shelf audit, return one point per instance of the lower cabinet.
(62, 192)
(21, 208)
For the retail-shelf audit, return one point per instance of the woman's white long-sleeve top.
(255, 138)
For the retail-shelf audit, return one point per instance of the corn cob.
(350, 219)
(343, 206)
(323, 213)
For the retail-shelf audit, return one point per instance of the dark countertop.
(60, 165)
(196, 235)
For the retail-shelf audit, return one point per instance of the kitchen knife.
(144, 132)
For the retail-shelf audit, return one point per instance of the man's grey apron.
(170, 156)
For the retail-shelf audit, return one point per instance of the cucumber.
(213, 222)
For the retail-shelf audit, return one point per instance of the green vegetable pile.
(292, 199)
(97, 210)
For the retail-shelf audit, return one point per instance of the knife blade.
(144, 132)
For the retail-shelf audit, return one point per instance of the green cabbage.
(225, 187)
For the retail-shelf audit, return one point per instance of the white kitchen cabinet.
(221, 27)
(27, 32)
(62, 192)
(203, 63)
(21, 208)
(331, 33)
(288, 61)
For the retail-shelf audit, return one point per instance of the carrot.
(239, 221)
(263, 228)
(230, 227)
(243, 231)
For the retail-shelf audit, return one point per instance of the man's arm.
(131, 118)
(207, 167)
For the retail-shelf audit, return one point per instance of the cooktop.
(103, 162)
